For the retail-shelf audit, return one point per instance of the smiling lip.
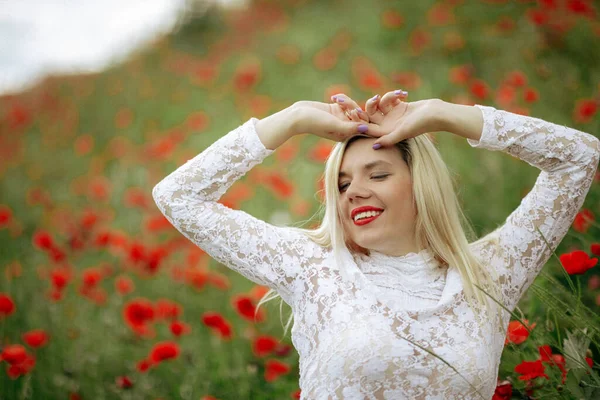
(365, 221)
(363, 209)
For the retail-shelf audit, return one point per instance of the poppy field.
(101, 298)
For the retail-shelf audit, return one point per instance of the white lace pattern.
(357, 338)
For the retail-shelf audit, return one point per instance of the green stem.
(578, 293)
(557, 330)
(562, 268)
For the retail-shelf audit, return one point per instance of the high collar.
(409, 262)
(422, 263)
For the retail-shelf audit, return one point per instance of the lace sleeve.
(568, 160)
(263, 253)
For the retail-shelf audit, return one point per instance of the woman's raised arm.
(188, 197)
(568, 160)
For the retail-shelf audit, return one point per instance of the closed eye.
(343, 187)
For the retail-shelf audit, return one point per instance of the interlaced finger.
(390, 100)
(345, 102)
(372, 110)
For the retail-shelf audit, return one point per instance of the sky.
(39, 37)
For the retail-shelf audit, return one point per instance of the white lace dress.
(354, 331)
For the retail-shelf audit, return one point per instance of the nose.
(356, 189)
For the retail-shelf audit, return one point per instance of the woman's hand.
(397, 119)
(332, 121)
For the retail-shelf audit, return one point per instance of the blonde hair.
(441, 224)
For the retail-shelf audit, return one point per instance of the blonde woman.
(390, 298)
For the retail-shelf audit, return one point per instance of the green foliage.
(78, 144)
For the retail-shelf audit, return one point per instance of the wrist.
(462, 120)
(276, 129)
(443, 112)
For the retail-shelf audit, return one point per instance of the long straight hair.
(441, 224)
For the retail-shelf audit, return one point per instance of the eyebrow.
(368, 166)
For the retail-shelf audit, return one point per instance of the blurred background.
(101, 298)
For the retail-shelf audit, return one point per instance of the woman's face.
(378, 179)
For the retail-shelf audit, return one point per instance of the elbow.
(591, 151)
(595, 145)
(158, 195)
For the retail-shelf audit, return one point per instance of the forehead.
(360, 156)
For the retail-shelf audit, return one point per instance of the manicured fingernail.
(358, 110)
(400, 92)
(375, 97)
(333, 98)
(339, 99)
(376, 146)
(363, 128)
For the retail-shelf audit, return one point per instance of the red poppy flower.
(138, 312)
(7, 305)
(371, 80)
(60, 277)
(283, 350)
(90, 218)
(124, 382)
(577, 262)
(440, 14)
(263, 345)
(247, 76)
(91, 277)
(179, 328)
(167, 309)
(407, 80)
(595, 249)
(213, 319)
(419, 40)
(274, 369)
(218, 324)
(18, 116)
(505, 95)
(391, 19)
(517, 332)
(225, 331)
(461, 74)
(102, 239)
(503, 391)
(43, 240)
(590, 362)
(137, 252)
(164, 351)
(479, 89)
(144, 365)
(22, 368)
(584, 111)
(282, 187)
(36, 338)
(531, 95)
(581, 7)
(531, 370)
(245, 307)
(516, 79)
(13, 353)
(5, 216)
(553, 359)
(537, 16)
(583, 220)
(124, 285)
(57, 255)
(320, 152)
